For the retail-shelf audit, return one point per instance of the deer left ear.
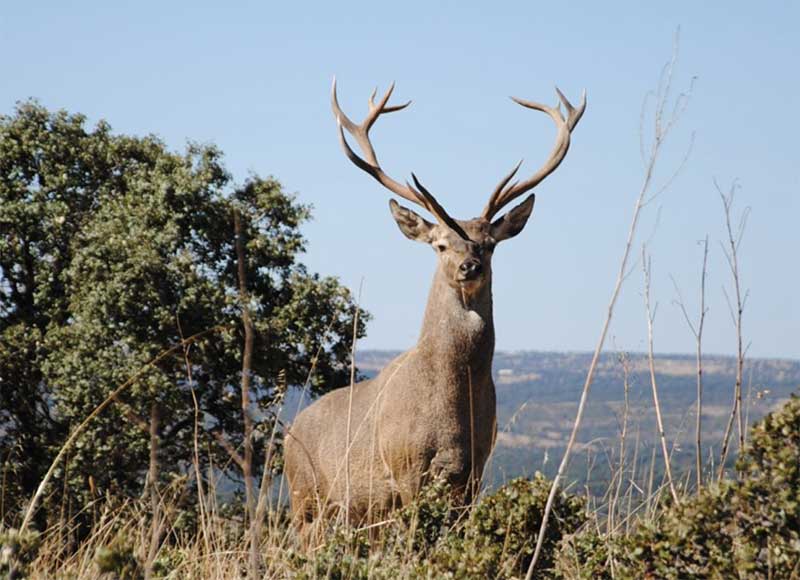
(413, 226)
(511, 223)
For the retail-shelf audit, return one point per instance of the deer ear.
(511, 223)
(412, 225)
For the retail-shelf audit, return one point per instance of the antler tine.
(370, 164)
(504, 194)
(429, 202)
(500, 187)
(383, 107)
(573, 115)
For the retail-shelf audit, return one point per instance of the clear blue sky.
(254, 78)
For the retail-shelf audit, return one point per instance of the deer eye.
(440, 247)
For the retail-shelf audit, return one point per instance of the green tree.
(112, 249)
(45, 195)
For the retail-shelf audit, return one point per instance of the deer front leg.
(454, 466)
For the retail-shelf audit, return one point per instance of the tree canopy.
(114, 248)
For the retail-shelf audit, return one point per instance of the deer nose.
(470, 268)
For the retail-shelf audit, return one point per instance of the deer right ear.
(413, 226)
(510, 224)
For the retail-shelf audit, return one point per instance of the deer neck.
(457, 332)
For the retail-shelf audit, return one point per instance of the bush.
(113, 248)
(118, 559)
(17, 551)
(499, 538)
(747, 528)
(434, 538)
(422, 524)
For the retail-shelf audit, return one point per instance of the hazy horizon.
(607, 351)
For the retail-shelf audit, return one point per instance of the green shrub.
(591, 555)
(344, 555)
(499, 537)
(746, 528)
(422, 524)
(435, 538)
(118, 560)
(168, 560)
(17, 551)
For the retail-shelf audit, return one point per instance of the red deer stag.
(431, 411)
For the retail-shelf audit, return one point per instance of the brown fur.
(430, 412)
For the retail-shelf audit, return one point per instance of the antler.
(418, 195)
(505, 193)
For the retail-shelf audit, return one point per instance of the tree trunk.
(247, 361)
(152, 482)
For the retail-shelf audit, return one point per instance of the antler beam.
(369, 163)
(505, 193)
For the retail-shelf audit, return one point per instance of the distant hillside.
(538, 392)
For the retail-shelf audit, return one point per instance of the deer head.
(464, 247)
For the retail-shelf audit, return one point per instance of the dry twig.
(697, 331)
(651, 361)
(663, 122)
(731, 252)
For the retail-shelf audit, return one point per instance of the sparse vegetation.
(738, 528)
(745, 528)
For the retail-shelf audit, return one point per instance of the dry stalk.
(4, 482)
(697, 331)
(651, 478)
(620, 473)
(278, 421)
(663, 122)
(152, 483)
(749, 399)
(732, 257)
(266, 472)
(651, 362)
(195, 441)
(632, 481)
(350, 405)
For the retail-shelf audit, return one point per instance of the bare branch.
(677, 171)
(736, 308)
(680, 304)
(646, 270)
(697, 331)
(644, 191)
(350, 403)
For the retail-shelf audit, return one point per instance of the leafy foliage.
(746, 528)
(430, 518)
(500, 535)
(118, 560)
(494, 539)
(114, 248)
(17, 551)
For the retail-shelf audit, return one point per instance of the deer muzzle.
(469, 269)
